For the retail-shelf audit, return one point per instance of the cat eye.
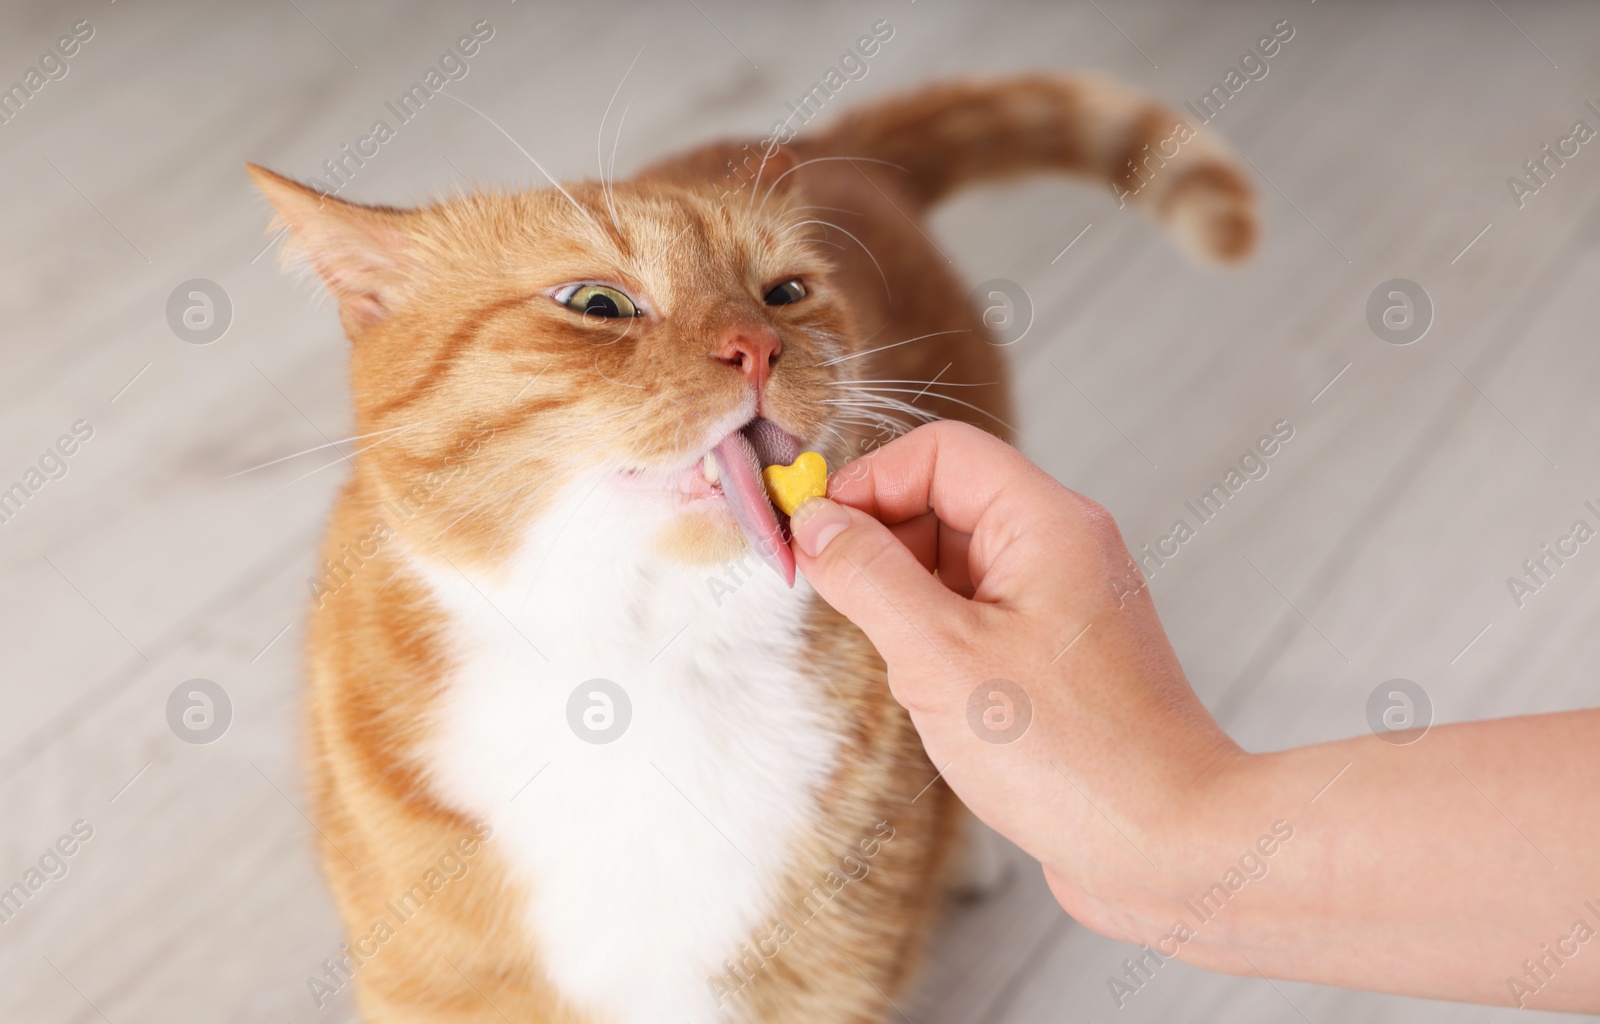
(789, 291)
(597, 300)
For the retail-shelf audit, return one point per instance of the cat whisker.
(608, 181)
(877, 423)
(885, 348)
(866, 413)
(906, 410)
(831, 209)
(599, 141)
(766, 155)
(861, 414)
(538, 166)
(950, 398)
(876, 420)
(845, 446)
(870, 383)
(342, 458)
(875, 400)
(880, 398)
(318, 448)
(853, 238)
(818, 160)
(831, 341)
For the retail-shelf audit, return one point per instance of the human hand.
(1136, 803)
(1034, 586)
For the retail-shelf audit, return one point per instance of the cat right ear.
(362, 253)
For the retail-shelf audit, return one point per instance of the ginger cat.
(576, 755)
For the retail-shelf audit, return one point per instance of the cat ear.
(362, 253)
(774, 164)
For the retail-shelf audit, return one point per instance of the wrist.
(1202, 845)
(1219, 858)
(1145, 868)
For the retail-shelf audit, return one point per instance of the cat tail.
(954, 133)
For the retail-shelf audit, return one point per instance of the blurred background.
(1425, 327)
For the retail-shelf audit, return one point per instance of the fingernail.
(816, 522)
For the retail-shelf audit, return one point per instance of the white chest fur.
(652, 856)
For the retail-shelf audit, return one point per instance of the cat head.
(644, 337)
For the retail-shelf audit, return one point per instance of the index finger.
(951, 469)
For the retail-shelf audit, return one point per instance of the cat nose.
(753, 351)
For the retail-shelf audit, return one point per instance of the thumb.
(862, 570)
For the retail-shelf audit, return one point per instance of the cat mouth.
(730, 470)
(733, 466)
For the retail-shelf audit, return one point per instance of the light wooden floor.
(1419, 478)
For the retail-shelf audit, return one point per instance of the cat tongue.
(739, 470)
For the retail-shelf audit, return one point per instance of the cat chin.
(702, 533)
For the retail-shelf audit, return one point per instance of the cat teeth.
(708, 468)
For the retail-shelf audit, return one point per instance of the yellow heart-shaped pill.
(788, 486)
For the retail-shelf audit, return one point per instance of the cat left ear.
(362, 253)
(775, 162)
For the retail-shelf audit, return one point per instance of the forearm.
(1465, 865)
